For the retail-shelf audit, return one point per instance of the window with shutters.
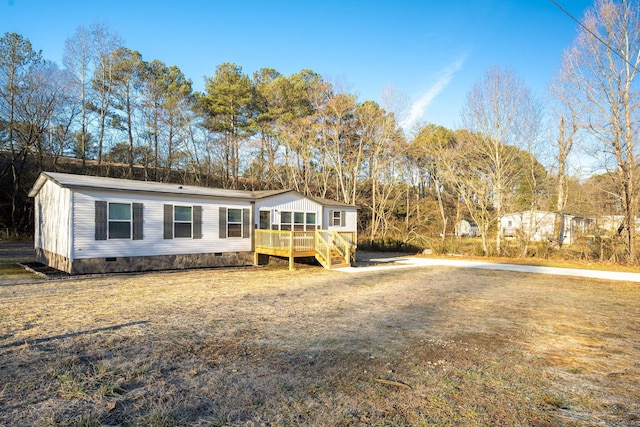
(234, 222)
(118, 220)
(337, 218)
(182, 222)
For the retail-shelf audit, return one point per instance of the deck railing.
(349, 237)
(296, 241)
(343, 247)
(323, 250)
(303, 241)
(320, 243)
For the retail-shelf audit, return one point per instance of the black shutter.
(197, 222)
(222, 225)
(168, 221)
(137, 221)
(101, 220)
(343, 218)
(246, 223)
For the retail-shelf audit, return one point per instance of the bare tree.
(17, 59)
(126, 83)
(106, 42)
(383, 144)
(86, 59)
(340, 143)
(502, 110)
(43, 106)
(600, 71)
(77, 60)
(468, 172)
(429, 148)
(564, 144)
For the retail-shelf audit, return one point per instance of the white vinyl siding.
(341, 219)
(154, 243)
(284, 207)
(53, 220)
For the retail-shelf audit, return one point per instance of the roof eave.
(42, 178)
(79, 186)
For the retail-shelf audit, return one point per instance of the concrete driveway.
(381, 262)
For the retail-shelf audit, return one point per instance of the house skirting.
(143, 263)
(53, 260)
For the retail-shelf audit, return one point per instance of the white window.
(119, 220)
(298, 221)
(337, 218)
(285, 221)
(311, 221)
(234, 222)
(182, 221)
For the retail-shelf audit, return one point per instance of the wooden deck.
(332, 249)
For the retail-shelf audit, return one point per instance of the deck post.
(291, 263)
(255, 257)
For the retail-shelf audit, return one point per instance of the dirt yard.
(268, 347)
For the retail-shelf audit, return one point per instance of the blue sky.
(431, 52)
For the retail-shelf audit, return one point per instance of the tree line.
(121, 115)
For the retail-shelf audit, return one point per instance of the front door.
(265, 219)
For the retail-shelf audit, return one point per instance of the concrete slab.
(386, 263)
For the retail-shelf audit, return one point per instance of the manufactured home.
(86, 224)
(536, 225)
(613, 224)
(466, 228)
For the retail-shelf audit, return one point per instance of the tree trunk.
(560, 204)
(130, 135)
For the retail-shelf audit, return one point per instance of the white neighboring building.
(86, 224)
(612, 224)
(466, 228)
(539, 225)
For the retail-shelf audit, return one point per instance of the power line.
(618, 54)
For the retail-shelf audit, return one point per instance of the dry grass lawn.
(265, 346)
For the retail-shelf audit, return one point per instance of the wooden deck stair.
(337, 259)
(332, 250)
